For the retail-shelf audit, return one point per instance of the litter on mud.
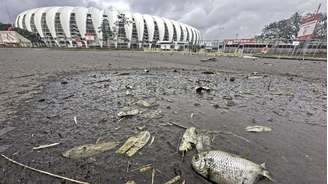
(145, 104)
(128, 113)
(221, 167)
(193, 137)
(173, 180)
(46, 146)
(200, 90)
(146, 168)
(44, 172)
(75, 120)
(208, 59)
(189, 139)
(89, 150)
(258, 128)
(153, 114)
(131, 182)
(134, 144)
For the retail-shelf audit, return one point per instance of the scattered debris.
(75, 120)
(131, 182)
(6, 130)
(258, 128)
(41, 100)
(199, 90)
(255, 77)
(232, 79)
(134, 143)
(153, 114)
(227, 97)
(122, 74)
(250, 57)
(153, 176)
(46, 146)
(43, 172)
(128, 93)
(216, 106)
(89, 150)
(146, 71)
(192, 115)
(189, 138)
(122, 114)
(230, 103)
(146, 168)
(177, 124)
(220, 167)
(208, 59)
(63, 82)
(173, 180)
(208, 72)
(145, 104)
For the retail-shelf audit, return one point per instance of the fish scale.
(225, 168)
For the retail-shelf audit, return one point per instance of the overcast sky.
(216, 19)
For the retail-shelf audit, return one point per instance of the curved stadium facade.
(91, 27)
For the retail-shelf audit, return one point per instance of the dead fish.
(134, 143)
(89, 150)
(189, 139)
(258, 128)
(225, 168)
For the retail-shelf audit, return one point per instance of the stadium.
(92, 27)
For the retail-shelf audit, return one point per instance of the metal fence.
(270, 48)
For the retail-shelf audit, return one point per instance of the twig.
(269, 85)
(43, 172)
(153, 176)
(178, 125)
(235, 135)
(46, 146)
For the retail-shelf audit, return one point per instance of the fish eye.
(196, 157)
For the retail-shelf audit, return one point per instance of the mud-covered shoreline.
(42, 90)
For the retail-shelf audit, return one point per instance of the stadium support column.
(57, 43)
(70, 43)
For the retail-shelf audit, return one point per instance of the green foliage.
(287, 29)
(33, 37)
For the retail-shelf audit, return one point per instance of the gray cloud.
(216, 19)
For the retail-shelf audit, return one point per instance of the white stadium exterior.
(90, 27)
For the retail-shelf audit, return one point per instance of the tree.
(320, 32)
(284, 29)
(288, 29)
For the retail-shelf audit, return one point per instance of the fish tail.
(267, 174)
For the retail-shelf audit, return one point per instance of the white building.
(84, 27)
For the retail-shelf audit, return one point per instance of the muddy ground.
(42, 90)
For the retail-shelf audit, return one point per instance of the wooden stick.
(46, 146)
(153, 176)
(43, 172)
(178, 125)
